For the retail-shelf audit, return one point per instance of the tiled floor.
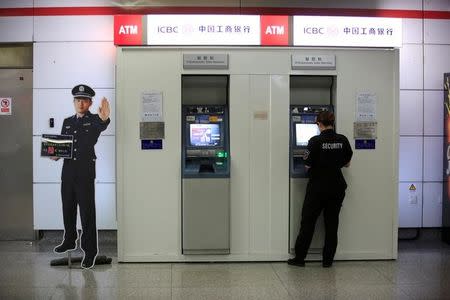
(422, 271)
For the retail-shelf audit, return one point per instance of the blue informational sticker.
(364, 144)
(151, 144)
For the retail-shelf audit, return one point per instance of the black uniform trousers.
(318, 199)
(79, 189)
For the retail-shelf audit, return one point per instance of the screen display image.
(303, 132)
(204, 135)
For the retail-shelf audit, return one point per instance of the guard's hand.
(54, 158)
(103, 110)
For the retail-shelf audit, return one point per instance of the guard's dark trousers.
(79, 189)
(317, 200)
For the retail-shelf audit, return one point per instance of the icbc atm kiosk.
(205, 165)
(309, 95)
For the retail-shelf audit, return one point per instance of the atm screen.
(303, 132)
(204, 135)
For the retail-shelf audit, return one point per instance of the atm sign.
(274, 30)
(128, 30)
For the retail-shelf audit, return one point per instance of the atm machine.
(309, 95)
(205, 165)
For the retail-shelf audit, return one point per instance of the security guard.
(326, 154)
(78, 174)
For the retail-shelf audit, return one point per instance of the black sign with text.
(53, 145)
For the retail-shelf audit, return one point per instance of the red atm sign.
(128, 30)
(274, 30)
(182, 30)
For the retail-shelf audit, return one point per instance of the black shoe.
(327, 264)
(65, 246)
(88, 261)
(296, 262)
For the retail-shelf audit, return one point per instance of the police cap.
(83, 91)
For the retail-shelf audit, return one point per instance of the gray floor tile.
(222, 266)
(31, 276)
(111, 293)
(422, 271)
(399, 273)
(342, 273)
(223, 275)
(425, 257)
(315, 290)
(267, 292)
(20, 292)
(427, 291)
(119, 276)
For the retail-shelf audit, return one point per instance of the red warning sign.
(5, 106)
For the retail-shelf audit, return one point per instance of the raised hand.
(103, 110)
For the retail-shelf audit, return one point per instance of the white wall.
(69, 51)
(424, 59)
(83, 45)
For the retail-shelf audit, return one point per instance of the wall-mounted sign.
(152, 106)
(274, 30)
(313, 62)
(365, 144)
(151, 144)
(203, 30)
(260, 115)
(254, 30)
(366, 106)
(128, 30)
(205, 61)
(412, 197)
(347, 31)
(151, 130)
(365, 130)
(5, 105)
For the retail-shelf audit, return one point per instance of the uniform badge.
(81, 88)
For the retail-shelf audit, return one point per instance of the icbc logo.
(274, 30)
(128, 30)
(314, 30)
(167, 29)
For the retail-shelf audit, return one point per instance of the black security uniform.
(78, 176)
(327, 153)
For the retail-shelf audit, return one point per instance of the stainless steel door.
(16, 156)
(206, 215)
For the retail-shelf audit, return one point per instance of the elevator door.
(16, 155)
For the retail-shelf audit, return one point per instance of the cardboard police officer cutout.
(78, 174)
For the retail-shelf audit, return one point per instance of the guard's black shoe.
(327, 264)
(296, 262)
(65, 246)
(88, 261)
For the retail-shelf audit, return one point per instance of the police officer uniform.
(326, 154)
(78, 174)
